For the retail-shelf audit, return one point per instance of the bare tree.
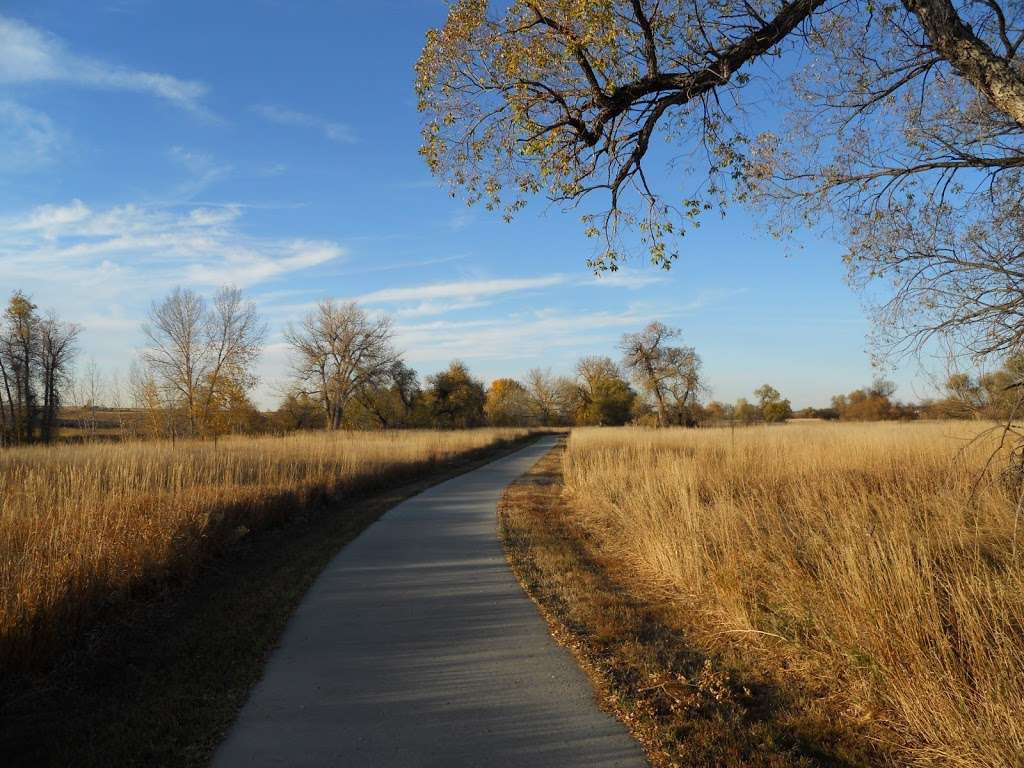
(87, 392)
(197, 353)
(148, 398)
(551, 396)
(175, 356)
(902, 129)
(57, 350)
(115, 399)
(340, 352)
(234, 337)
(669, 374)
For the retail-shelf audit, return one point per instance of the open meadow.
(574, 383)
(82, 526)
(877, 564)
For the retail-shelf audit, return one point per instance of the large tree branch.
(686, 86)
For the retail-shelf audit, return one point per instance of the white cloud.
(245, 268)
(51, 219)
(439, 298)
(208, 217)
(628, 278)
(536, 333)
(427, 308)
(30, 55)
(339, 132)
(529, 335)
(128, 248)
(463, 289)
(28, 138)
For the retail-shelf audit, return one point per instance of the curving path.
(417, 647)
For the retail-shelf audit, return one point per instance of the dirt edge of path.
(685, 706)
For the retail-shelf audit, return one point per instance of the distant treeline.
(195, 376)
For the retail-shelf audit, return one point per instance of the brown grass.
(857, 562)
(82, 527)
(687, 705)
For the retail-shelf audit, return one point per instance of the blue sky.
(147, 144)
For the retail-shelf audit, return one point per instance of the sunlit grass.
(82, 526)
(862, 557)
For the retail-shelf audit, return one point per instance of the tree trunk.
(7, 425)
(992, 75)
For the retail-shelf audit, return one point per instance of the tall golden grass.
(866, 558)
(82, 526)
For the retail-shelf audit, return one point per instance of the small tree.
(88, 389)
(393, 402)
(299, 411)
(872, 403)
(148, 398)
(774, 408)
(718, 412)
(454, 399)
(603, 396)
(744, 412)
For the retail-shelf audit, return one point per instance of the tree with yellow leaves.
(899, 126)
(508, 404)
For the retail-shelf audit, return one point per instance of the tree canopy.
(900, 127)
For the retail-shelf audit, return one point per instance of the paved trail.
(417, 647)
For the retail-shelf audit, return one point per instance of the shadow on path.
(417, 647)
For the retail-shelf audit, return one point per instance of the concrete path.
(417, 647)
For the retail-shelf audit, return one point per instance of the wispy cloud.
(441, 298)
(412, 264)
(428, 308)
(460, 220)
(202, 168)
(28, 138)
(529, 335)
(339, 132)
(49, 220)
(462, 289)
(628, 278)
(128, 248)
(709, 298)
(246, 267)
(31, 55)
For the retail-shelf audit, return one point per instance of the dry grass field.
(861, 560)
(83, 526)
